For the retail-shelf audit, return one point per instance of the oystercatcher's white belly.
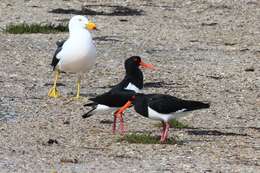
(165, 117)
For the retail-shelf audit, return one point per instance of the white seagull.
(77, 54)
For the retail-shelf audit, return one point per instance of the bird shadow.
(88, 94)
(114, 10)
(106, 38)
(213, 133)
(58, 84)
(106, 121)
(160, 84)
(152, 51)
(105, 87)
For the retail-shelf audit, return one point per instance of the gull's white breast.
(78, 53)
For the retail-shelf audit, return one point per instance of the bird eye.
(80, 19)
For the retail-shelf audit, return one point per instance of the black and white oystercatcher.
(161, 107)
(77, 54)
(112, 100)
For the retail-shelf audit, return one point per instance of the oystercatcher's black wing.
(120, 86)
(114, 98)
(55, 60)
(166, 104)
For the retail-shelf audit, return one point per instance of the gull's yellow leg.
(77, 96)
(78, 89)
(54, 91)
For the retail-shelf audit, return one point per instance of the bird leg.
(120, 115)
(78, 88)
(162, 133)
(122, 130)
(77, 97)
(165, 135)
(167, 130)
(114, 124)
(54, 91)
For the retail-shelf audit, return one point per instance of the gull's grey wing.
(55, 60)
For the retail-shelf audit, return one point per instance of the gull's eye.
(80, 19)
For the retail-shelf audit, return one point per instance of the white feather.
(78, 53)
(132, 87)
(165, 117)
(103, 108)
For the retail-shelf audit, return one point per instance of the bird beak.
(123, 108)
(144, 65)
(91, 26)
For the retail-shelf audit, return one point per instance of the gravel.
(204, 50)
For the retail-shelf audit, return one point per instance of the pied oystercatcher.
(161, 107)
(133, 81)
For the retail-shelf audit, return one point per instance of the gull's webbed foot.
(54, 93)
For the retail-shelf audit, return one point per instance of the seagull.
(133, 81)
(161, 107)
(77, 54)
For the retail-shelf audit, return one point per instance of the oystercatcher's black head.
(134, 76)
(134, 62)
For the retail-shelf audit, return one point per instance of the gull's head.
(81, 22)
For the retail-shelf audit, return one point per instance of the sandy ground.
(205, 50)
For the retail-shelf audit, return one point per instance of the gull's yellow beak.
(91, 26)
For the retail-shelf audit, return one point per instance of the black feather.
(168, 104)
(165, 104)
(115, 98)
(89, 113)
(55, 60)
(111, 99)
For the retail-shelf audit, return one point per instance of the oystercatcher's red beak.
(144, 65)
(123, 108)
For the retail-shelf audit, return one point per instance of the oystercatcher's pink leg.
(114, 124)
(166, 132)
(162, 133)
(122, 130)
